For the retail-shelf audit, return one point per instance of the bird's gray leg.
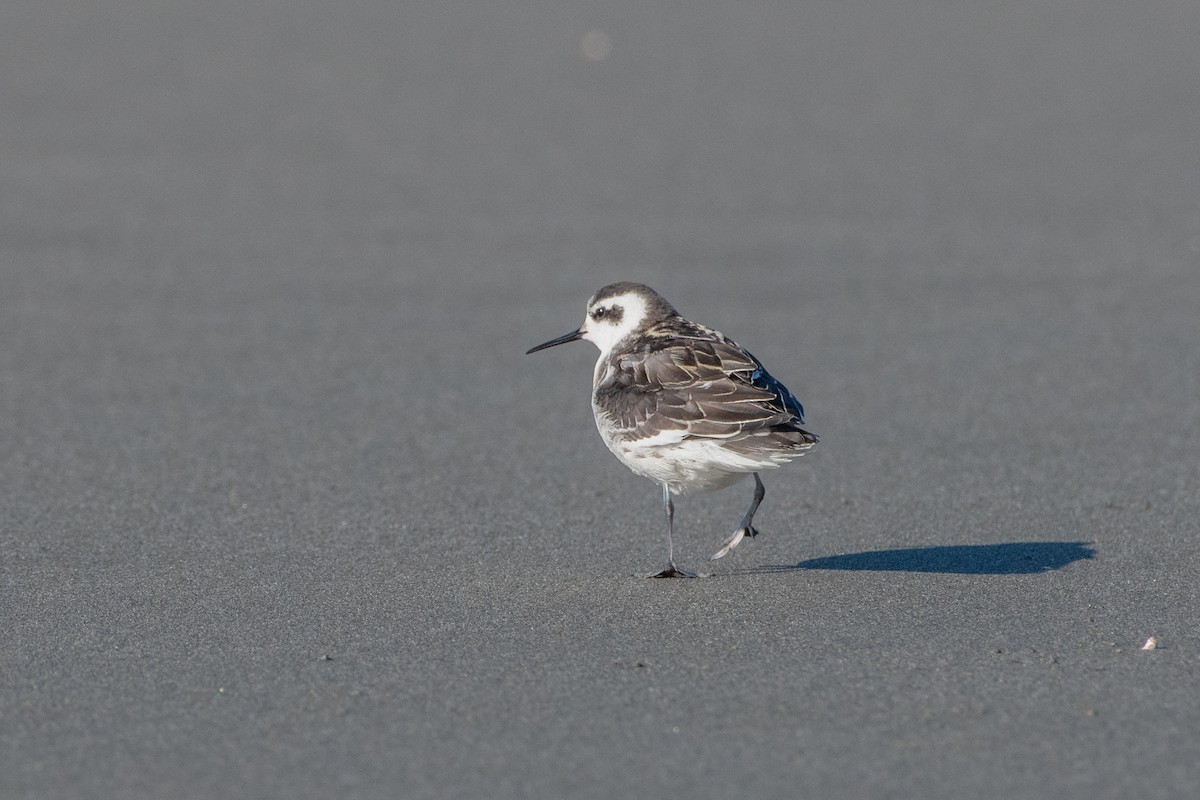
(746, 528)
(671, 570)
(669, 507)
(760, 492)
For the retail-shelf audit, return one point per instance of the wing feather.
(702, 385)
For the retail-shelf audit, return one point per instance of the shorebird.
(683, 405)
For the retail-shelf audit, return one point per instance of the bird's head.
(615, 313)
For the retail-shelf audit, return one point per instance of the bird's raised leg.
(671, 570)
(746, 528)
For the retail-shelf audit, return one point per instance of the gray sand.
(287, 513)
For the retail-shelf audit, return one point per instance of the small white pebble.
(1151, 643)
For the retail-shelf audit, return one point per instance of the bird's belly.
(685, 463)
(696, 465)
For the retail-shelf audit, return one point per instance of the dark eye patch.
(612, 314)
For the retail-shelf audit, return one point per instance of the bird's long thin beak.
(570, 337)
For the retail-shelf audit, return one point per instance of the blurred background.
(226, 207)
(267, 271)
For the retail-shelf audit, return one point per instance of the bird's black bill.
(570, 337)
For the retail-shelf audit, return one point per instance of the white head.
(615, 313)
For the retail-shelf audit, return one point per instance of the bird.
(684, 405)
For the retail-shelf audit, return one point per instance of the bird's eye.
(599, 313)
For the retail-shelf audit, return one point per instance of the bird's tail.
(780, 443)
(795, 436)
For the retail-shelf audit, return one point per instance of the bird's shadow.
(1008, 558)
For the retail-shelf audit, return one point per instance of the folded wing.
(702, 387)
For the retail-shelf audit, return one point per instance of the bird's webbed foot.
(732, 542)
(672, 571)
